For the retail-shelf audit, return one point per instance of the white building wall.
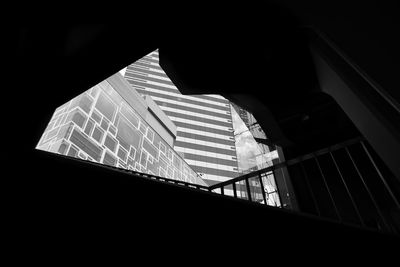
(204, 123)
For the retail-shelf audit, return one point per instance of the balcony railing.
(345, 183)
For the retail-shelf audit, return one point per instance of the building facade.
(112, 124)
(205, 136)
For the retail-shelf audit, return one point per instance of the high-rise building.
(112, 124)
(204, 122)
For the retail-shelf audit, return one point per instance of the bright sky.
(122, 71)
(246, 147)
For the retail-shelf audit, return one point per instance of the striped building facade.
(205, 135)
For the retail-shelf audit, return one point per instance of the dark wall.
(263, 52)
(367, 31)
(50, 200)
(56, 62)
(74, 204)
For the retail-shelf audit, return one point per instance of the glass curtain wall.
(252, 156)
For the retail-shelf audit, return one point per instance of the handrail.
(249, 175)
(163, 179)
(257, 192)
(143, 175)
(290, 162)
(178, 182)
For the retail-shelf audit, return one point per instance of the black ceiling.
(257, 50)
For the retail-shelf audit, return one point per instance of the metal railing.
(140, 174)
(343, 182)
(160, 179)
(258, 186)
(355, 192)
(167, 180)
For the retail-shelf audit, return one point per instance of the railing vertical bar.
(279, 193)
(248, 189)
(380, 175)
(234, 189)
(309, 188)
(368, 191)
(347, 190)
(274, 192)
(240, 184)
(262, 189)
(222, 190)
(329, 191)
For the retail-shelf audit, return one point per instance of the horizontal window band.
(212, 171)
(135, 79)
(211, 160)
(143, 65)
(224, 101)
(192, 113)
(155, 68)
(213, 126)
(150, 59)
(203, 143)
(147, 86)
(144, 75)
(206, 138)
(202, 128)
(202, 153)
(175, 91)
(210, 165)
(134, 75)
(175, 99)
(206, 148)
(196, 118)
(144, 60)
(146, 71)
(179, 96)
(161, 88)
(202, 133)
(189, 101)
(207, 125)
(163, 74)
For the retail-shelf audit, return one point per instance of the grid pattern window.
(99, 125)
